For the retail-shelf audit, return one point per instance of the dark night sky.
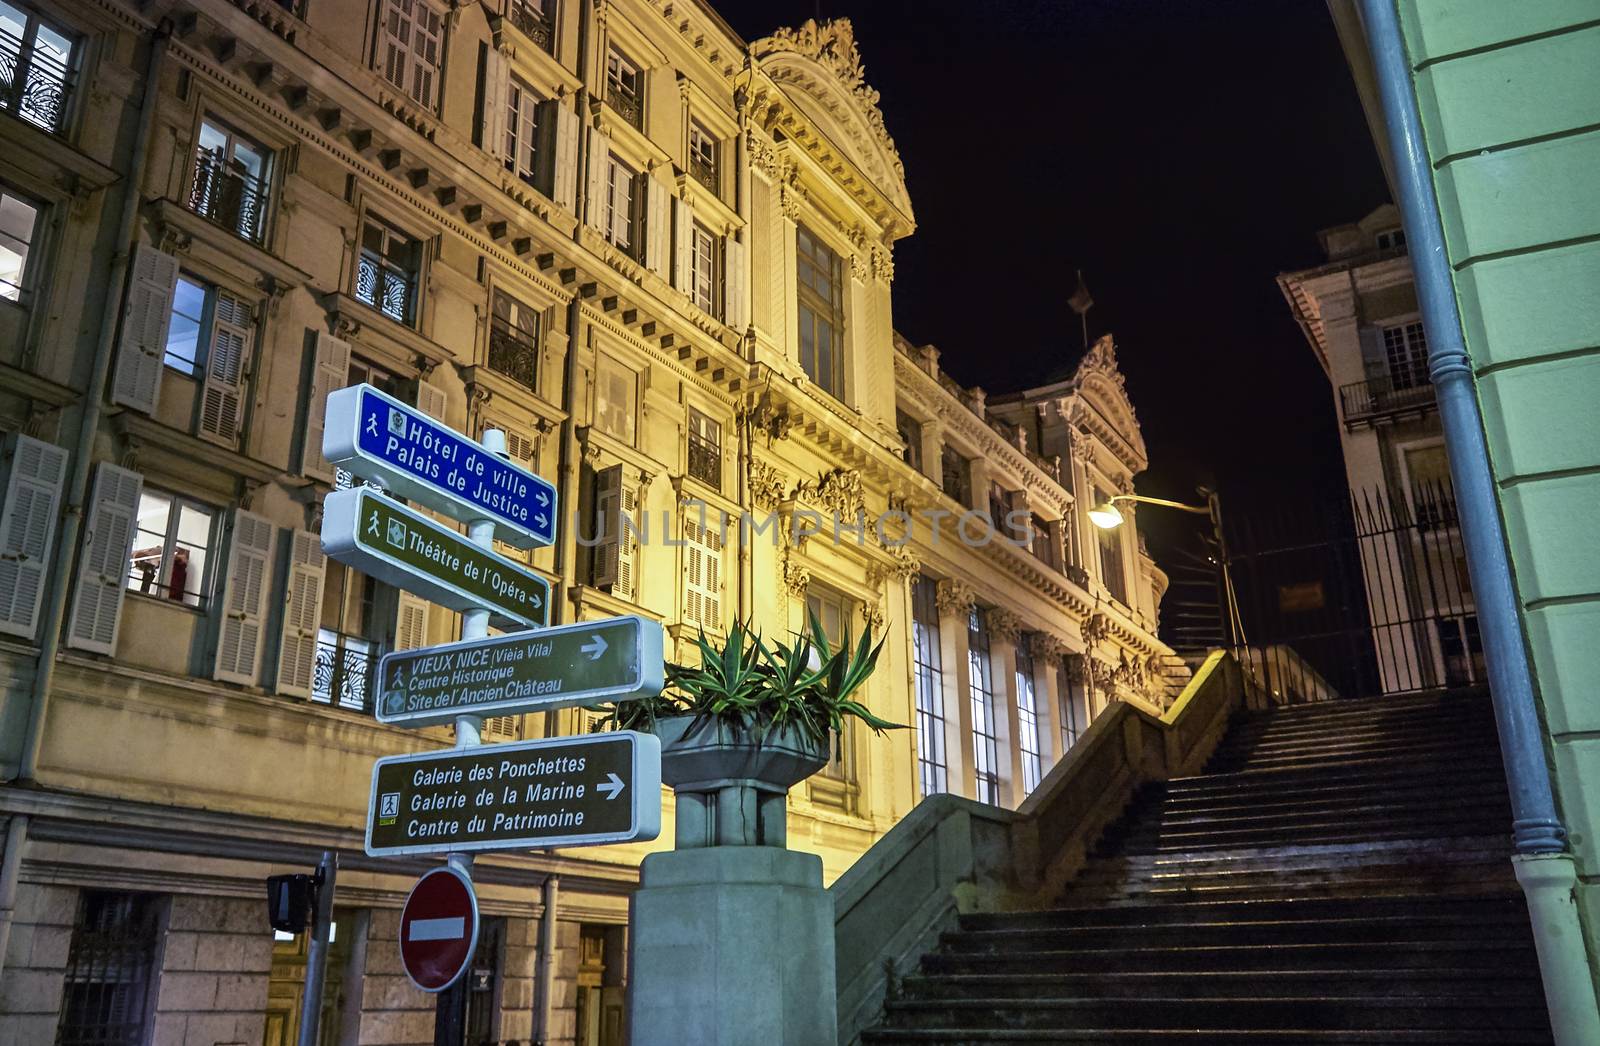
(1181, 153)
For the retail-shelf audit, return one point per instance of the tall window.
(1111, 572)
(106, 989)
(1391, 239)
(821, 312)
(409, 50)
(703, 156)
(36, 60)
(1074, 701)
(955, 474)
(522, 130)
(1044, 542)
(514, 340)
(19, 222)
(831, 610)
(705, 450)
(910, 432)
(625, 88)
(980, 688)
(387, 271)
(616, 393)
(172, 548)
(621, 207)
(932, 765)
(1406, 347)
(230, 181)
(1028, 720)
(706, 258)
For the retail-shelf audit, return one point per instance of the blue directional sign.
(376, 437)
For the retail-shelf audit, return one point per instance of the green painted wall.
(1510, 98)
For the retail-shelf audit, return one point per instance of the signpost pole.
(317, 952)
(450, 1011)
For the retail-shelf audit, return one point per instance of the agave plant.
(753, 686)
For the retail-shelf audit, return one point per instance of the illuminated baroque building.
(660, 259)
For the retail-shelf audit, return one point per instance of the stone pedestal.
(732, 946)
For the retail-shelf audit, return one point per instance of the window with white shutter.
(409, 49)
(616, 399)
(243, 606)
(432, 401)
(736, 283)
(410, 622)
(222, 395)
(502, 727)
(702, 554)
(616, 502)
(560, 133)
(330, 372)
(597, 209)
(152, 278)
(28, 530)
(622, 207)
(494, 101)
(103, 559)
(682, 246)
(302, 613)
(521, 139)
(657, 227)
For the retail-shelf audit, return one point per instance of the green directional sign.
(381, 537)
(560, 791)
(614, 659)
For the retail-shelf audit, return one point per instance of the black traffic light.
(291, 902)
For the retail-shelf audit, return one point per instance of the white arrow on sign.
(613, 787)
(595, 647)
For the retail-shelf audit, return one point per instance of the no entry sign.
(439, 929)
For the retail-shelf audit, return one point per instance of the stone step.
(1447, 1012)
(1194, 1037)
(1338, 955)
(1485, 791)
(1377, 981)
(1320, 747)
(1303, 831)
(1394, 771)
(1245, 911)
(1397, 930)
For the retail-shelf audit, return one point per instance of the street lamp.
(1105, 515)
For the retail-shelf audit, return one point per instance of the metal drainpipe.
(78, 479)
(1545, 869)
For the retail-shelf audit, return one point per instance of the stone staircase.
(1339, 873)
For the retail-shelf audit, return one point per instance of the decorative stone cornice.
(953, 597)
(838, 490)
(1003, 624)
(1046, 645)
(766, 485)
(1096, 628)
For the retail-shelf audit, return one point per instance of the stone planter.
(732, 786)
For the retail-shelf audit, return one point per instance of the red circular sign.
(439, 929)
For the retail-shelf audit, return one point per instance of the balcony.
(35, 75)
(626, 104)
(346, 673)
(704, 171)
(535, 24)
(226, 195)
(514, 356)
(1381, 400)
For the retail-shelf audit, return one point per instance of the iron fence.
(1368, 601)
(346, 671)
(513, 354)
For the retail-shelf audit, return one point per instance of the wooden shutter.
(103, 561)
(597, 212)
(495, 89)
(657, 231)
(302, 614)
(501, 727)
(522, 448)
(243, 607)
(614, 555)
(152, 279)
(702, 574)
(28, 522)
(557, 153)
(736, 283)
(427, 26)
(682, 246)
(410, 622)
(432, 401)
(330, 372)
(222, 395)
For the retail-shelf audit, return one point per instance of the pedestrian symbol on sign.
(389, 808)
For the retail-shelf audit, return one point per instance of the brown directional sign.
(560, 791)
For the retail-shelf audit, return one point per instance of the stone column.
(954, 601)
(932, 449)
(1005, 633)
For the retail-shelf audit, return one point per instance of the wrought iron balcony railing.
(704, 171)
(1381, 399)
(536, 25)
(35, 81)
(226, 195)
(513, 355)
(385, 286)
(346, 673)
(626, 103)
